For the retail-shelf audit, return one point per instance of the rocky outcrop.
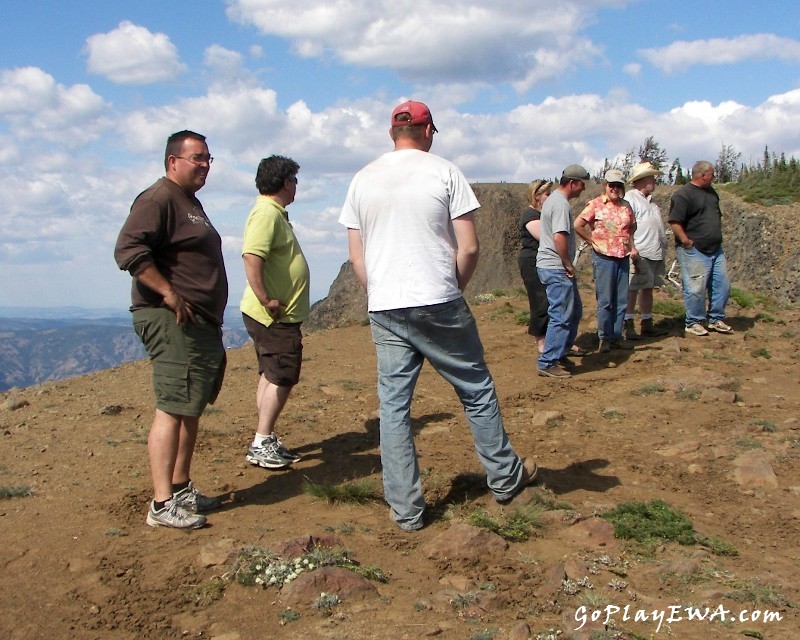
(760, 245)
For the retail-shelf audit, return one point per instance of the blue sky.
(89, 92)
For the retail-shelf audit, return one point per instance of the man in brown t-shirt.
(178, 296)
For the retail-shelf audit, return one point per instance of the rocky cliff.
(760, 244)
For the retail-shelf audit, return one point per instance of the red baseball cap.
(419, 112)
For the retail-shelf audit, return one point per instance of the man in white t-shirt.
(650, 238)
(413, 246)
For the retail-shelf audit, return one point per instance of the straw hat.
(643, 170)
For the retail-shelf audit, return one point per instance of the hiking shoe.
(621, 345)
(720, 327)
(605, 346)
(696, 329)
(576, 351)
(175, 516)
(290, 455)
(267, 456)
(194, 501)
(630, 330)
(529, 472)
(556, 371)
(649, 330)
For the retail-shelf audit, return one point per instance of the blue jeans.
(701, 273)
(564, 309)
(611, 289)
(447, 336)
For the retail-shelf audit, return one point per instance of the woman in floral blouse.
(607, 224)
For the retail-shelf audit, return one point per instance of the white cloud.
(512, 41)
(131, 54)
(36, 107)
(718, 51)
(632, 69)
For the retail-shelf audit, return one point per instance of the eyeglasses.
(198, 160)
(616, 185)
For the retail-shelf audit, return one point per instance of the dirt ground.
(709, 425)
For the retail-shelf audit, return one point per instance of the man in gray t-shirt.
(557, 273)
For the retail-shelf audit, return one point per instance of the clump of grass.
(463, 600)
(503, 310)
(19, 491)
(353, 492)
(287, 615)
(351, 385)
(522, 318)
(485, 634)
(614, 415)
(748, 443)
(516, 526)
(649, 389)
(759, 594)
(326, 602)
(116, 533)
(764, 317)
(766, 425)
(731, 385)
(761, 352)
(483, 298)
(688, 393)
(669, 308)
(743, 298)
(652, 522)
(345, 529)
(717, 546)
(546, 500)
(340, 557)
(206, 593)
(499, 293)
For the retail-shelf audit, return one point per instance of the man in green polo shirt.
(275, 303)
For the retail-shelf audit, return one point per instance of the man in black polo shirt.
(696, 221)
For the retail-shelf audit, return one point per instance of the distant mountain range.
(52, 344)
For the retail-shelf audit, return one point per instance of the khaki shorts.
(188, 361)
(279, 350)
(646, 274)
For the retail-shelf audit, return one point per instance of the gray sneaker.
(175, 516)
(194, 501)
(290, 455)
(267, 456)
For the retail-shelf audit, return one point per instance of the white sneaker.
(174, 515)
(696, 329)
